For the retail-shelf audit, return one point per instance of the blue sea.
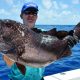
(64, 64)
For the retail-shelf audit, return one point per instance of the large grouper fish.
(29, 48)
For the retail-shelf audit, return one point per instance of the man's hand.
(21, 68)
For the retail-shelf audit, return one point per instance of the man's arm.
(21, 68)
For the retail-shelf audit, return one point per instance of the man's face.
(29, 17)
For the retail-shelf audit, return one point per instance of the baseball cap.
(29, 6)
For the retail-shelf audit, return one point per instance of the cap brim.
(31, 9)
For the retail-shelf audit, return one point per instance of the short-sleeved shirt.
(32, 73)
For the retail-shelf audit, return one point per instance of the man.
(19, 72)
(29, 16)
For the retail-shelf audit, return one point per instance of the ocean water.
(64, 64)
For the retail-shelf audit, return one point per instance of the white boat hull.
(68, 75)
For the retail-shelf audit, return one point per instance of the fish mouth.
(34, 63)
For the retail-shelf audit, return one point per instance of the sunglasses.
(30, 13)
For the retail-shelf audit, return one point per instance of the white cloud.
(68, 17)
(66, 13)
(50, 4)
(76, 18)
(15, 9)
(4, 12)
(64, 6)
(47, 3)
(55, 5)
(76, 1)
(53, 17)
(28, 0)
(49, 14)
(10, 2)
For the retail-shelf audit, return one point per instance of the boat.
(67, 75)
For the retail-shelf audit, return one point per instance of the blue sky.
(51, 12)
